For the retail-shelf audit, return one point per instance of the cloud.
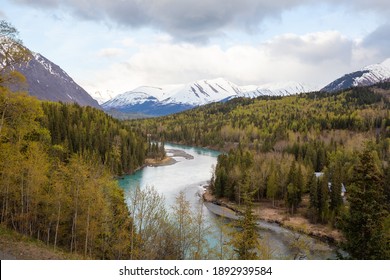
(194, 20)
(314, 47)
(190, 20)
(378, 6)
(315, 58)
(379, 41)
(110, 52)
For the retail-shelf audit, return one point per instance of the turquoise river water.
(191, 175)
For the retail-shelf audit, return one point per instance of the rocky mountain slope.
(367, 76)
(47, 81)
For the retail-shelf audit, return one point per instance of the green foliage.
(54, 187)
(286, 140)
(88, 131)
(365, 229)
(245, 239)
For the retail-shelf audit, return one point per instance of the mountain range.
(47, 81)
(158, 101)
(367, 76)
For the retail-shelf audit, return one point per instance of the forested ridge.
(85, 130)
(311, 146)
(57, 167)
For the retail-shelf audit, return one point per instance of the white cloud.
(315, 58)
(110, 52)
(314, 47)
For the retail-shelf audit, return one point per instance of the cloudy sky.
(117, 45)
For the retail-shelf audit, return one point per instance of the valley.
(81, 181)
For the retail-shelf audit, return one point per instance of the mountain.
(102, 97)
(158, 101)
(367, 76)
(47, 81)
(275, 89)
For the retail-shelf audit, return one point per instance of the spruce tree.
(313, 194)
(335, 188)
(364, 229)
(245, 240)
(323, 198)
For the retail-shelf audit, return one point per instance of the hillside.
(14, 246)
(58, 163)
(265, 121)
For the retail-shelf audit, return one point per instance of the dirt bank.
(267, 212)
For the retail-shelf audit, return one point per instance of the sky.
(117, 45)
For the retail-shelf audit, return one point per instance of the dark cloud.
(192, 20)
(379, 41)
(189, 20)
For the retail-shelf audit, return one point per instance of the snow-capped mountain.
(275, 89)
(203, 92)
(367, 76)
(47, 81)
(101, 97)
(165, 100)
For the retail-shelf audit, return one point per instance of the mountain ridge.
(48, 81)
(176, 98)
(367, 76)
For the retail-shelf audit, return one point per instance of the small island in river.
(169, 158)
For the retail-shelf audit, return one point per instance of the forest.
(59, 164)
(56, 178)
(331, 148)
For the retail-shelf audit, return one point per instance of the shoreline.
(298, 223)
(167, 160)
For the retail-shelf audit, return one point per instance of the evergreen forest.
(332, 149)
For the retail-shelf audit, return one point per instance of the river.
(191, 174)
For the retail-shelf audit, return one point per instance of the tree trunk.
(87, 232)
(58, 224)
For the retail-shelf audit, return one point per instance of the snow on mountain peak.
(203, 92)
(49, 66)
(276, 89)
(374, 73)
(386, 63)
(196, 93)
(367, 76)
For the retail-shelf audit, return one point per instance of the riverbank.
(159, 162)
(266, 212)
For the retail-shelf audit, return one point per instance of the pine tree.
(335, 189)
(272, 185)
(294, 188)
(313, 194)
(323, 198)
(245, 239)
(364, 229)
